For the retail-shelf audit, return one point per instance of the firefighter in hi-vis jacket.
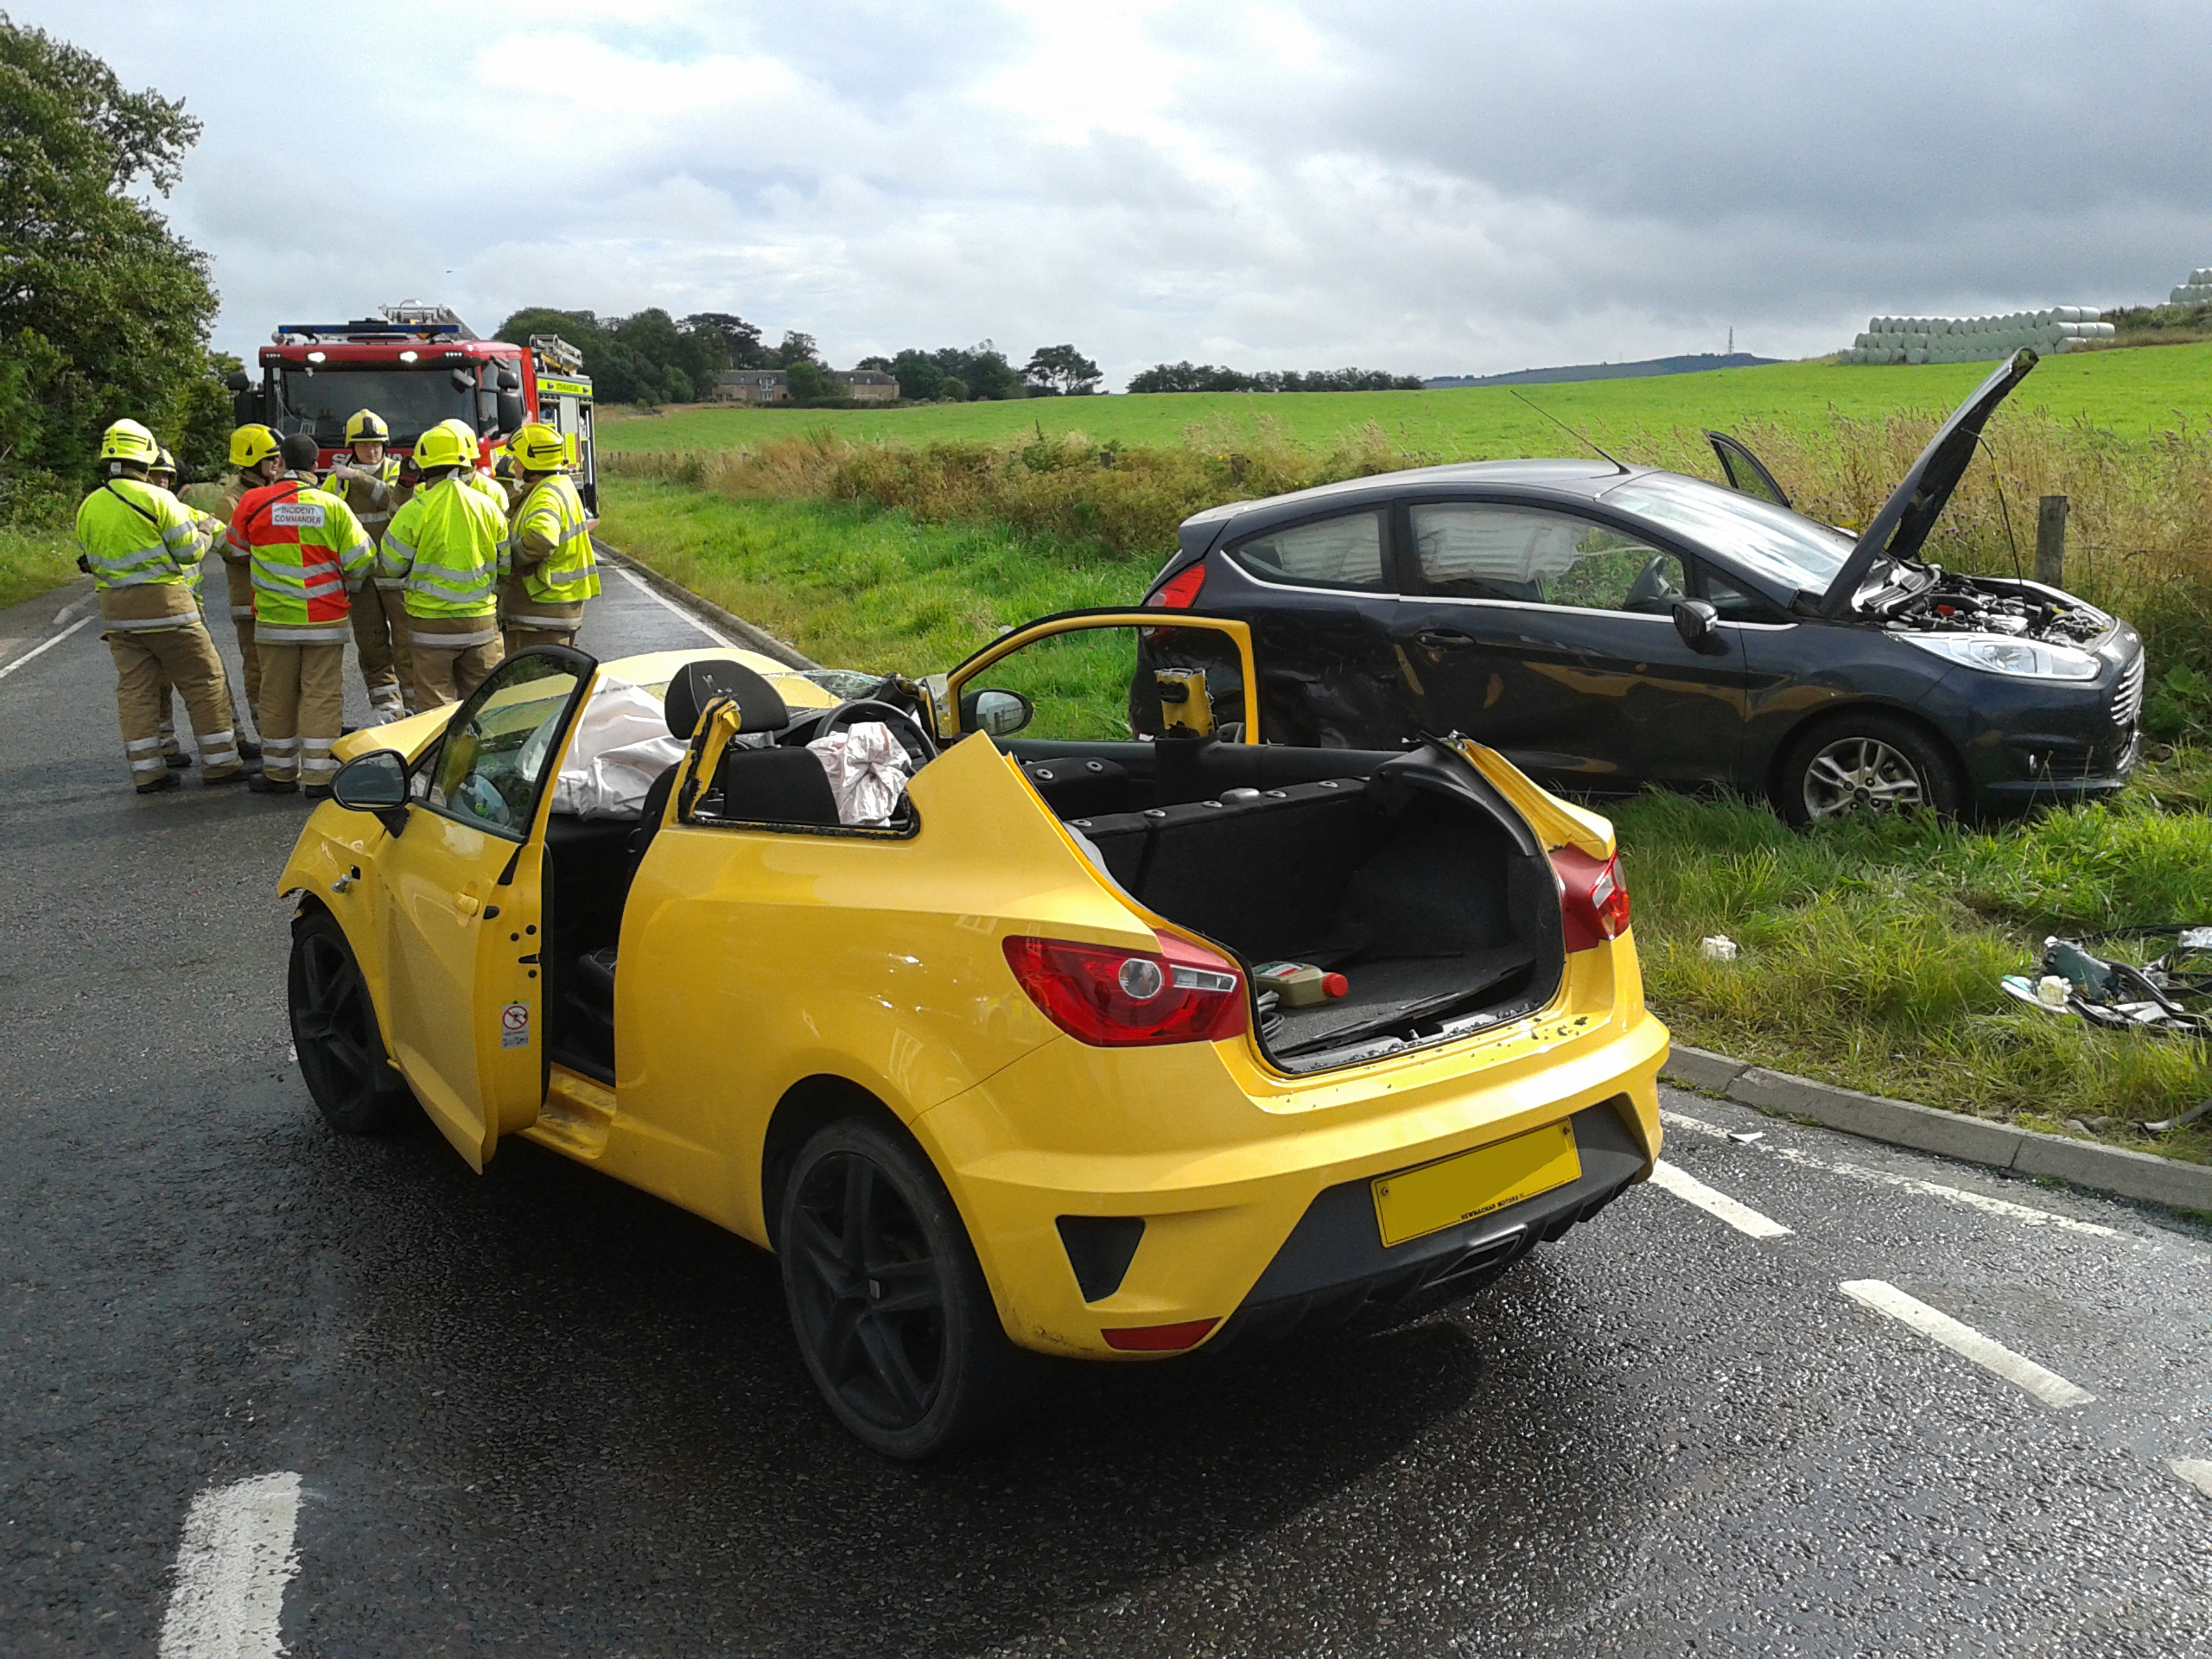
(367, 479)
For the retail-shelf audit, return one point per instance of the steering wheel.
(1653, 587)
(920, 747)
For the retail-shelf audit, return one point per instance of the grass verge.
(1871, 951)
(32, 561)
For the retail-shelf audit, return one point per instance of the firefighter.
(445, 544)
(472, 474)
(309, 554)
(142, 546)
(547, 568)
(368, 479)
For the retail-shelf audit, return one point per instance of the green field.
(2132, 394)
(33, 560)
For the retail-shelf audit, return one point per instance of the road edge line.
(751, 637)
(238, 1552)
(2120, 1171)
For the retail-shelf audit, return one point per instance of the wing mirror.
(375, 782)
(509, 405)
(996, 714)
(508, 381)
(237, 380)
(1700, 625)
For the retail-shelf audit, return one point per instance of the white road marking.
(1690, 1190)
(231, 1569)
(1964, 1340)
(40, 650)
(1981, 1201)
(673, 608)
(2195, 1472)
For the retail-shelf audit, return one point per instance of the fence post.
(2050, 541)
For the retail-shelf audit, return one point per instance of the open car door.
(1746, 471)
(463, 901)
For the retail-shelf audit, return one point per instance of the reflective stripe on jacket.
(550, 549)
(136, 536)
(373, 492)
(308, 550)
(445, 544)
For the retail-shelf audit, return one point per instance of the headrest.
(696, 684)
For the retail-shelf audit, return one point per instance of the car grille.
(2127, 695)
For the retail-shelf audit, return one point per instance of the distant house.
(867, 386)
(752, 386)
(761, 387)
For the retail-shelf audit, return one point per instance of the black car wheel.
(334, 1031)
(889, 1304)
(1866, 763)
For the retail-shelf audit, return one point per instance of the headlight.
(1998, 653)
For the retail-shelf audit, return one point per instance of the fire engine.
(416, 364)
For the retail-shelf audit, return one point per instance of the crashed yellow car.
(1010, 1029)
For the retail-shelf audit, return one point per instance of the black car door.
(1549, 635)
(1321, 596)
(1746, 471)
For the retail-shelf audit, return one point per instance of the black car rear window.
(1342, 552)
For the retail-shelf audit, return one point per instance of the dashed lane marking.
(40, 650)
(673, 608)
(1964, 1340)
(1981, 1201)
(2195, 1472)
(1690, 1190)
(231, 1569)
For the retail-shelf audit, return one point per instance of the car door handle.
(1444, 639)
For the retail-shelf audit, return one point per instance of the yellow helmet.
(367, 426)
(465, 434)
(128, 441)
(441, 447)
(251, 445)
(538, 448)
(164, 462)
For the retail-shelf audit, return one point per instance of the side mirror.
(509, 405)
(508, 381)
(375, 782)
(1700, 625)
(237, 380)
(996, 714)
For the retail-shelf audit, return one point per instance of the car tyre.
(894, 1316)
(335, 1034)
(1867, 762)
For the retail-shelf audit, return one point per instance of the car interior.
(1403, 872)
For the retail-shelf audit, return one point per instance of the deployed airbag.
(622, 744)
(866, 767)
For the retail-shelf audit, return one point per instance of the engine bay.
(1956, 604)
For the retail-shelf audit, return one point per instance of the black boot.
(248, 749)
(262, 784)
(168, 780)
(177, 762)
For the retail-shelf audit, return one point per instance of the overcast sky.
(1429, 188)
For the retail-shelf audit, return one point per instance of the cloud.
(1433, 189)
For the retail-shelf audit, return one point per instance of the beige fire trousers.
(451, 655)
(303, 711)
(147, 659)
(380, 638)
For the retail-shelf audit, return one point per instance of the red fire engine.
(416, 366)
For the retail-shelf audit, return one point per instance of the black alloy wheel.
(1863, 763)
(334, 1031)
(893, 1315)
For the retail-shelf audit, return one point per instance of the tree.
(920, 380)
(796, 348)
(807, 381)
(740, 340)
(880, 365)
(1060, 371)
(103, 311)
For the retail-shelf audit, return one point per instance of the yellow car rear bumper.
(1261, 1231)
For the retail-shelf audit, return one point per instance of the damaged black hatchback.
(1609, 627)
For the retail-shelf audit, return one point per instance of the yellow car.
(1009, 1032)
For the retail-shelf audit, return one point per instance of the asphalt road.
(536, 1414)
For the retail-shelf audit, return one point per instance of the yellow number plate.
(1415, 1202)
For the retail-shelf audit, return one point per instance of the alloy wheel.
(333, 1025)
(867, 1293)
(1860, 774)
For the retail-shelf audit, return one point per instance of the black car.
(1609, 627)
